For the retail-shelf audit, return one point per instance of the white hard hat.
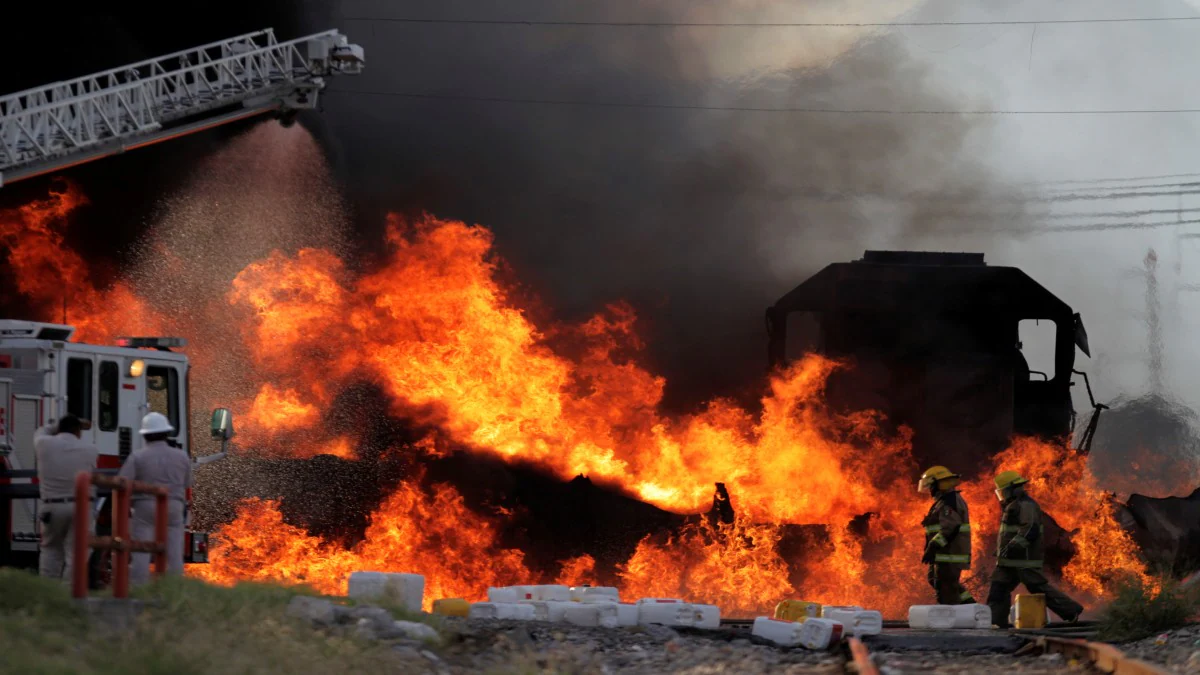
(156, 423)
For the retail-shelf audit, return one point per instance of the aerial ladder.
(64, 124)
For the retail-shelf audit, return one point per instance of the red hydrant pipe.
(83, 535)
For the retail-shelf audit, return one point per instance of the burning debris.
(451, 435)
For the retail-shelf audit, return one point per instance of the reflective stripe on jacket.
(948, 526)
(1019, 542)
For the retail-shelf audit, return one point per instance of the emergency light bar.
(165, 343)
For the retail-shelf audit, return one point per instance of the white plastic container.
(665, 611)
(781, 632)
(552, 593)
(407, 589)
(594, 594)
(627, 614)
(706, 616)
(505, 594)
(973, 616)
(602, 614)
(821, 633)
(501, 610)
(856, 620)
(549, 610)
(938, 617)
(525, 593)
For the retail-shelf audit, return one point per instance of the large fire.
(434, 328)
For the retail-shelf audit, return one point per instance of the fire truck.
(44, 375)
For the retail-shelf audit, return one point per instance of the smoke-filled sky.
(703, 218)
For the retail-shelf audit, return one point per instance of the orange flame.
(434, 328)
(56, 280)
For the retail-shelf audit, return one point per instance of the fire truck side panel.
(26, 418)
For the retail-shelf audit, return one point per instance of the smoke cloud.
(701, 218)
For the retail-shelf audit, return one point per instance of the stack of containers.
(812, 633)
(602, 614)
(938, 617)
(947, 617)
(666, 611)
(857, 621)
(501, 610)
(407, 589)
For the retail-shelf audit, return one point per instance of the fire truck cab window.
(1037, 342)
(110, 385)
(162, 393)
(79, 388)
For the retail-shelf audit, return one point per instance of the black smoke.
(700, 218)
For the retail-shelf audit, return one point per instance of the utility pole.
(1152, 323)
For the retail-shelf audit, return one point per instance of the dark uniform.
(1019, 555)
(948, 539)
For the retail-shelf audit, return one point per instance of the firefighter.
(1019, 553)
(947, 536)
(61, 454)
(160, 463)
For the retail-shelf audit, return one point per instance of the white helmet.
(156, 423)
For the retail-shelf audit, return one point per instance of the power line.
(1117, 214)
(1088, 187)
(1098, 227)
(751, 109)
(1129, 179)
(770, 24)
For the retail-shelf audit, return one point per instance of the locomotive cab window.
(162, 393)
(79, 388)
(1036, 349)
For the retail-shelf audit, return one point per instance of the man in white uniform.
(61, 454)
(160, 463)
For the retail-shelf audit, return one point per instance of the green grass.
(188, 627)
(1137, 611)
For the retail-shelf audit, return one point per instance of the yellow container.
(451, 607)
(797, 610)
(1031, 611)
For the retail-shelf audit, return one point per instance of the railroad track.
(1073, 640)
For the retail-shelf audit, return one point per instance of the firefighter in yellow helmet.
(1019, 553)
(947, 536)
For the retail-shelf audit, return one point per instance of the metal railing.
(121, 542)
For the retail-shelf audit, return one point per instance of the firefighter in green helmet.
(1019, 553)
(947, 536)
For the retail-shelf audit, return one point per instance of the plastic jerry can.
(501, 610)
(973, 616)
(627, 614)
(665, 611)
(706, 616)
(407, 589)
(552, 593)
(603, 614)
(820, 633)
(1031, 611)
(595, 594)
(549, 610)
(780, 631)
(856, 620)
(797, 610)
(932, 616)
(503, 594)
(452, 607)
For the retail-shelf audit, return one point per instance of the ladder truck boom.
(63, 124)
